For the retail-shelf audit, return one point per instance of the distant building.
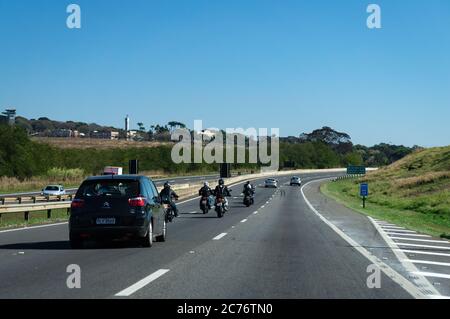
(107, 135)
(61, 133)
(9, 117)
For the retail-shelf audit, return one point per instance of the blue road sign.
(364, 189)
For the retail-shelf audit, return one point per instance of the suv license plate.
(106, 221)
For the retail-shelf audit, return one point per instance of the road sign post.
(364, 192)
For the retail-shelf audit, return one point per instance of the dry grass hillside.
(82, 143)
(414, 191)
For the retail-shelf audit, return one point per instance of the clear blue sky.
(296, 65)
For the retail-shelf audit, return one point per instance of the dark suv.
(120, 206)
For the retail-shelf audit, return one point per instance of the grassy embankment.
(413, 192)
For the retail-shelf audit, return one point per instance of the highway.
(280, 247)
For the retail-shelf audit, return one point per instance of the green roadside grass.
(16, 220)
(346, 192)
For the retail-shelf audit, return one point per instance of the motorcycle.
(204, 205)
(168, 211)
(220, 206)
(248, 200)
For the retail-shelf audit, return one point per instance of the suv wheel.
(162, 237)
(148, 239)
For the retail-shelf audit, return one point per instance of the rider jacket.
(222, 190)
(248, 190)
(205, 191)
(168, 194)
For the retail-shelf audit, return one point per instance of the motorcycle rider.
(167, 196)
(223, 191)
(207, 192)
(249, 190)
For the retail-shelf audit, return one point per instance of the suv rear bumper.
(108, 232)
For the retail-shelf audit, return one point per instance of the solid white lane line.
(218, 237)
(412, 235)
(431, 274)
(142, 283)
(424, 246)
(422, 252)
(423, 240)
(32, 227)
(428, 262)
(244, 220)
(390, 272)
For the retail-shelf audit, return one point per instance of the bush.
(64, 174)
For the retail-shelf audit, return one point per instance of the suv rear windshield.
(109, 188)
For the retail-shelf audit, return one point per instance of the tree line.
(22, 158)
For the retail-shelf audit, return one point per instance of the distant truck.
(112, 170)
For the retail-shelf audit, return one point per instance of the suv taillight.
(77, 203)
(137, 201)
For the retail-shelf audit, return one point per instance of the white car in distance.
(54, 190)
(271, 182)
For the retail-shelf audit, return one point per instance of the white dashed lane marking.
(220, 236)
(142, 283)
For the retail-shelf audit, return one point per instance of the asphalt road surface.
(277, 248)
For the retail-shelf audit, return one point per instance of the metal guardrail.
(348, 176)
(34, 197)
(26, 209)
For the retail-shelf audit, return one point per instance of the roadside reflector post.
(26, 216)
(49, 213)
(364, 192)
